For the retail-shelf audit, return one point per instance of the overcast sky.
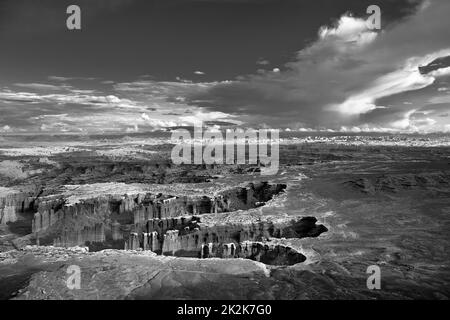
(141, 65)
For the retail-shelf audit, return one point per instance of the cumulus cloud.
(5, 128)
(263, 62)
(350, 78)
(73, 110)
(131, 107)
(348, 30)
(340, 79)
(72, 97)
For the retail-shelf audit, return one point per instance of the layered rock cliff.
(14, 203)
(67, 224)
(189, 237)
(171, 225)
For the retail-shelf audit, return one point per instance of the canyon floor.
(139, 227)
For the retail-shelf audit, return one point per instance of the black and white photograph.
(224, 150)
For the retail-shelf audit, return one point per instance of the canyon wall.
(13, 203)
(130, 218)
(162, 223)
(188, 237)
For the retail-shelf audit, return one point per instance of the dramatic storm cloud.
(338, 80)
(140, 66)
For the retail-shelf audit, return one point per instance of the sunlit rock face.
(189, 237)
(172, 225)
(10, 205)
(15, 203)
(111, 220)
(95, 234)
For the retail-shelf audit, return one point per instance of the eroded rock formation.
(189, 237)
(77, 223)
(172, 225)
(13, 203)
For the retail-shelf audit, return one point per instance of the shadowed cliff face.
(267, 253)
(120, 214)
(13, 204)
(172, 225)
(17, 207)
(111, 220)
(254, 241)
